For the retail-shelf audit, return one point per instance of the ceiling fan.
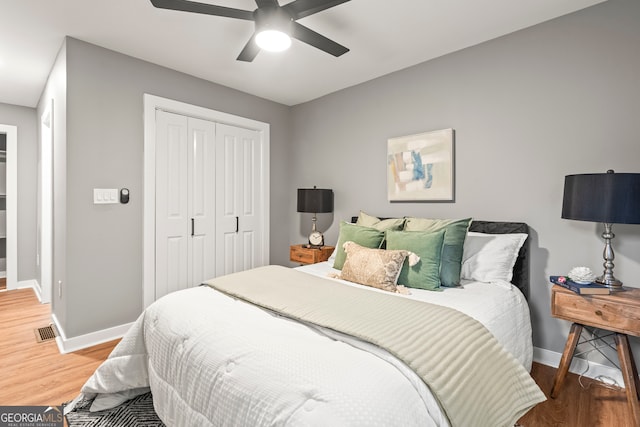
(274, 24)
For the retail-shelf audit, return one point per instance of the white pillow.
(490, 257)
(332, 257)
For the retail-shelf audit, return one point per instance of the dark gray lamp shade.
(315, 200)
(612, 198)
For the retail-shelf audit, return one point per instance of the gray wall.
(102, 265)
(559, 98)
(24, 118)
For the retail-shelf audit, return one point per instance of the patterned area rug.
(136, 412)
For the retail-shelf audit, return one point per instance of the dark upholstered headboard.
(521, 268)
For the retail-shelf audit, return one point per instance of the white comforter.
(211, 360)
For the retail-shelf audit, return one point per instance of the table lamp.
(315, 200)
(609, 198)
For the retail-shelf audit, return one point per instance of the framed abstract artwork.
(420, 168)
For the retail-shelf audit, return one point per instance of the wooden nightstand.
(619, 313)
(304, 255)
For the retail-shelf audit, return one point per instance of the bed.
(282, 346)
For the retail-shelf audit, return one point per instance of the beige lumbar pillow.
(377, 268)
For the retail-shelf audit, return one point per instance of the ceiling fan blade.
(267, 3)
(207, 9)
(249, 51)
(301, 8)
(314, 39)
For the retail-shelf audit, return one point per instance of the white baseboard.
(578, 365)
(69, 345)
(33, 284)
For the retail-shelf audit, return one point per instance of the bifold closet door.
(239, 201)
(185, 197)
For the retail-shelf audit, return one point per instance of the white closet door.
(201, 186)
(185, 197)
(239, 221)
(172, 216)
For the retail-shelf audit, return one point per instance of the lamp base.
(607, 278)
(614, 285)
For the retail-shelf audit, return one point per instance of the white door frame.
(46, 203)
(12, 205)
(151, 104)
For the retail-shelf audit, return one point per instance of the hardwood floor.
(3, 283)
(575, 406)
(34, 373)
(37, 374)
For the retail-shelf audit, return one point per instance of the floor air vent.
(45, 334)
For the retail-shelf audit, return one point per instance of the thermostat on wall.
(124, 196)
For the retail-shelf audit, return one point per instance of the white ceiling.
(383, 35)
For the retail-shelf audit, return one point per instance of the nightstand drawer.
(304, 255)
(616, 312)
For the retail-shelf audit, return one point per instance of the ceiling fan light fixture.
(273, 40)
(274, 25)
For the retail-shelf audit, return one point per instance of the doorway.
(11, 204)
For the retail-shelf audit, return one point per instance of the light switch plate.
(103, 196)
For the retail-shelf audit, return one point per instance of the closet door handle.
(193, 227)
(237, 224)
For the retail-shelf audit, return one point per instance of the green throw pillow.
(364, 236)
(455, 231)
(366, 220)
(428, 246)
